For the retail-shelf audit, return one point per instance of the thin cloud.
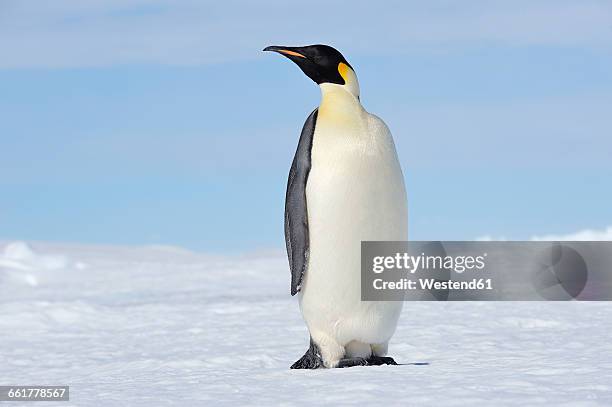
(489, 238)
(582, 235)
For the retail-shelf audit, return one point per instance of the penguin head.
(323, 64)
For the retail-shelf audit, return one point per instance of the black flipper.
(311, 359)
(296, 212)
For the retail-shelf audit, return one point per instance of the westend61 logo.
(444, 271)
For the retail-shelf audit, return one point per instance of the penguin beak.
(286, 51)
(302, 58)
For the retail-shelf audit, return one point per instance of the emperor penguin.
(345, 186)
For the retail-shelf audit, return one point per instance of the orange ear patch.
(293, 53)
(343, 69)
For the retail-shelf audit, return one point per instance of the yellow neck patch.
(344, 69)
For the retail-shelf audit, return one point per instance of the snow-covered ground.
(158, 326)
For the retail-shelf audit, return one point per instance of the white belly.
(355, 192)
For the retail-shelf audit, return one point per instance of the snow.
(159, 325)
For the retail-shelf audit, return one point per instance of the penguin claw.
(350, 362)
(371, 361)
(381, 360)
(310, 360)
(307, 363)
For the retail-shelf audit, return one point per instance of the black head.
(321, 63)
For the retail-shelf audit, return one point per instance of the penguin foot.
(311, 359)
(371, 361)
(350, 362)
(380, 360)
(307, 362)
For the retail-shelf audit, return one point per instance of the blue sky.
(158, 122)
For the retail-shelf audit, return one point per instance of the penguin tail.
(311, 360)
